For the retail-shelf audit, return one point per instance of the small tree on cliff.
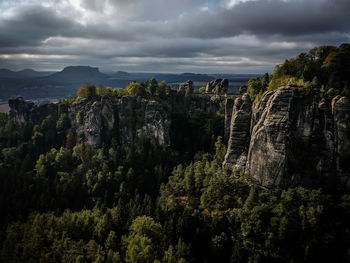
(153, 85)
(135, 89)
(87, 91)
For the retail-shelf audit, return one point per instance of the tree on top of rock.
(87, 91)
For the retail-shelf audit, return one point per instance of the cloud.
(270, 17)
(32, 25)
(160, 35)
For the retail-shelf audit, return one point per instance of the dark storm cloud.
(188, 34)
(32, 25)
(268, 17)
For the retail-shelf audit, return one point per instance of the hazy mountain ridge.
(32, 84)
(25, 73)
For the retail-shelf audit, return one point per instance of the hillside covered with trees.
(325, 69)
(65, 200)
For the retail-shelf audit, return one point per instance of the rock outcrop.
(156, 124)
(296, 138)
(92, 118)
(217, 86)
(187, 85)
(267, 156)
(21, 109)
(341, 113)
(27, 111)
(127, 118)
(123, 118)
(229, 103)
(239, 133)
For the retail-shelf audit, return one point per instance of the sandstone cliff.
(123, 118)
(291, 137)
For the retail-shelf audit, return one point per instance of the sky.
(220, 36)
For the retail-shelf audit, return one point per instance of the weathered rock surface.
(266, 162)
(22, 110)
(127, 118)
(341, 113)
(92, 118)
(95, 119)
(239, 133)
(296, 138)
(217, 86)
(156, 124)
(187, 85)
(229, 102)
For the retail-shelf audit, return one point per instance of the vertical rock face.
(239, 133)
(217, 86)
(27, 111)
(156, 124)
(296, 137)
(266, 162)
(228, 115)
(124, 119)
(341, 112)
(20, 109)
(92, 118)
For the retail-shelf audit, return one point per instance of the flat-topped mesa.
(296, 138)
(217, 86)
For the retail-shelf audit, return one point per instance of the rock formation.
(23, 110)
(267, 155)
(94, 119)
(20, 109)
(184, 86)
(229, 102)
(239, 133)
(217, 86)
(296, 137)
(341, 113)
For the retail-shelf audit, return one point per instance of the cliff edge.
(291, 137)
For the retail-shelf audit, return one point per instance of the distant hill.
(6, 73)
(34, 85)
(121, 74)
(25, 73)
(74, 74)
(30, 73)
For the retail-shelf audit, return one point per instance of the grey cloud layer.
(259, 31)
(268, 17)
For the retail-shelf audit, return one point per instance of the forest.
(64, 200)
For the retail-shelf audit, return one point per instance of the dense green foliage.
(325, 69)
(144, 89)
(63, 200)
(257, 87)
